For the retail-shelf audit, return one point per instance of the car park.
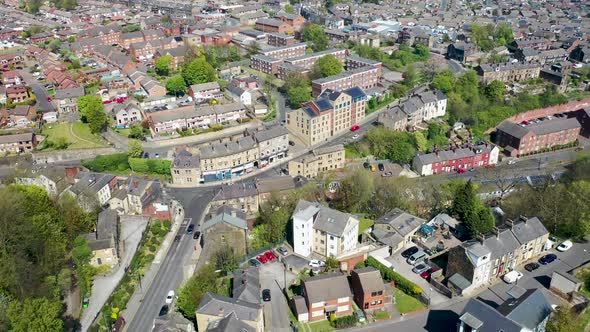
(190, 228)
(416, 258)
(565, 245)
(531, 267)
(547, 259)
(282, 251)
(512, 276)
(262, 259)
(266, 295)
(270, 256)
(409, 252)
(170, 297)
(254, 262)
(164, 310)
(420, 268)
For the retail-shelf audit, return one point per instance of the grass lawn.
(584, 319)
(364, 224)
(405, 303)
(77, 134)
(124, 132)
(320, 326)
(584, 274)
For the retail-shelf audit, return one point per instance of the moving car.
(164, 310)
(420, 268)
(282, 251)
(254, 262)
(190, 228)
(512, 276)
(170, 297)
(531, 267)
(196, 235)
(355, 128)
(547, 259)
(270, 256)
(266, 295)
(316, 263)
(409, 252)
(565, 245)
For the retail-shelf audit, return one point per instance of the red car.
(270, 256)
(460, 171)
(106, 102)
(426, 274)
(49, 99)
(262, 259)
(355, 128)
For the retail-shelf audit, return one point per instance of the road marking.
(186, 221)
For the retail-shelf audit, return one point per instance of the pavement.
(132, 228)
(168, 272)
(276, 312)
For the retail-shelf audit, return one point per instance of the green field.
(405, 303)
(77, 134)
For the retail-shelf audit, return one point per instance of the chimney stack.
(481, 238)
(510, 223)
(497, 232)
(523, 218)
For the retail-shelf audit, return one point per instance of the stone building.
(508, 72)
(226, 228)
(320, 160)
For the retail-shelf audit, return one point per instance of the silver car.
(420, 268)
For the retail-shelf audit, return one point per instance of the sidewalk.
(135, 301)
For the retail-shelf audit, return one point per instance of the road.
(171, 272)
(454, 66)
(276, 312)
(39, 91)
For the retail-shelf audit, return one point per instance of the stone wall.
(70, 155)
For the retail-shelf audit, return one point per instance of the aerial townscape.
(294, 165)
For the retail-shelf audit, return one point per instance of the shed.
(458, 284)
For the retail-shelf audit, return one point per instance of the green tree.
(35, 315)
(298, 95)
(226, 260)
(198, 71)
(135, 149)
(54, 45)
(33, 6)
(411, 76)
(421, 141)
(495, 90)
(316, 37)
(327, 66)
(162, 65)
(355, 192)
(476, 217)
(97, 119)
(193, 291)
(444, 81)
(81, 253)
(69, 4)
(176, 85)
(562, 321)
(332, 263)
(289, 9)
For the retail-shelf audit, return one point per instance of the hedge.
(389, 275)
(156, 166)
(108, 163)
(344, 322)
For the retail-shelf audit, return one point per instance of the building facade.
(456, 159)
(320, 161)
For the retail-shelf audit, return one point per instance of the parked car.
(512, 276)
(531, 267)
(373, 168)
(177, 238)
(426, 274)
(49, 99)
(254, 262)
(386, 174)
(381, 167)
(282, 251)
(360, 316)
(317, 263)
(565, 245)
(196, 235)
(270, 256)
(262, 259)
(355, 128)
(164, 310)
(170, 297)
(190, 228)
(409, 252)
(366, 165)
(266, 295)
(547, 259)
(291, 143)
(416, 258)
(420, 268)
(355, 136)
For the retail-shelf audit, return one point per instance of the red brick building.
(272, 25)
(365, 78)
(529, 137)
(279, 39)
(368, 288)
(286, 52)
(327, 294)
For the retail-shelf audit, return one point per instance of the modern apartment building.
(320, 230)
(286, 52)
(320, 160)
(332, 113)
(280, 39)
(307, 61)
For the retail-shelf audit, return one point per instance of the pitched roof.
(69, 93)
(528, 229)
(326, 287)
(227, 215)
(229, 323)
(246, 285)
(218, 305)
(328, 220)
(529, 310)
(485, 319)
(370, 279)
(400, 221)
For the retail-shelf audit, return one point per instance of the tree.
(35, 315)
(495, 90)
(327, 66)
(444, 81)
(299, 95)
(562, 321)
(355, 192)
(421, 141)
(69, 4)
(54, 45)
(135, 149)
(33, 6)
(193, 291)
(81, 253)
(411, 76)
(91, 112)
(476, 217)
(162, 65)
(316, 37)
(64, 280)
(226, 260)
(176, 85)
(332, 263)
(198, 71)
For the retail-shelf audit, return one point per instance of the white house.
(321, 230)
(50, 117)
(239, 94)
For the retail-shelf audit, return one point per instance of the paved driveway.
(276, 312)
(405, 269)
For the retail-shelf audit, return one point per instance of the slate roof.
(325, 219)
(229, 323)
(370, 279)
(246, 285)
(509, 66)
(69, 93)
(494, 245)
(204, 86)
(528, 310)
(446, 155)
(216, 150)
(90, 182)
(106, 226)
(326, 287)
(541, 128)
(486, 318)
(529, 229)
(236, 190)
(400, 221)
(270, 133)
(5, 139)
(227, 215)
(212, 304)
(185, 159)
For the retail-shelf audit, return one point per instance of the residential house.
(296, 21)
(273, 25)
(152, 87)
(273, 143)
(21, 116)
(239, 94)
(104, 241)
(17, 93)
(246, 285)
(396, 229)
(54, 181)
(126, 114)
(319, 161)
(240, 196)
(461, 51)
(279, 185)
(18, 143)
(368, 288)
(540, 44)
(422, 105)
(528, 312)
(508, 72)
(227, 227)
(67, 99)
(176, 53)
(320, 230)
(173, 322)
(12, 77)
(223, 160)
(93, 189)
(456, 159)
(216, 311)
(326, 295)
(186, 168)
(205, 91)
(580, 54)
(530, 137)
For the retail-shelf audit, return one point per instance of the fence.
(444, 290)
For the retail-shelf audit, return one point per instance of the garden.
(61, 136)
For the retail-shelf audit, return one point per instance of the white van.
(417, 257)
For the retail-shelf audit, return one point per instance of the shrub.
(401, 283)
(108, 163)
(150, 166)
(344, 322)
